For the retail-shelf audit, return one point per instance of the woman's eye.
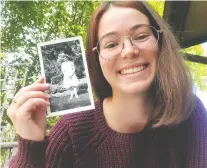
(111, 45)
(142, 37)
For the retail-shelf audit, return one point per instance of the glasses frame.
(121, 39)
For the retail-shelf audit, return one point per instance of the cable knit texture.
(84, 140)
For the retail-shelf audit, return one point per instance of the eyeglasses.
(144, 37)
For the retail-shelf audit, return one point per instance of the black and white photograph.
(63, 65)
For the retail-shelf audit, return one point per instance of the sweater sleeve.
(53, 152)
(197, 148)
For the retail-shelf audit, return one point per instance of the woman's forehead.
(121, 20)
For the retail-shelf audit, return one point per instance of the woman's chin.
(135, 88)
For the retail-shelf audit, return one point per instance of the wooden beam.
(196, 58)
(175, 13)
(6, 145)
(167, 11)
(194, 41)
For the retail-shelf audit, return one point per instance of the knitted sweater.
(84, 140)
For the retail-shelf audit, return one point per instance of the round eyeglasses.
(144, 37)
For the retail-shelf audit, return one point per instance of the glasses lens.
(109, 47)
(145, 37)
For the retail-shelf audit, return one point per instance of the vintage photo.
(63, 64)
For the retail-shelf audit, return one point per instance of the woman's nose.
(129, 50)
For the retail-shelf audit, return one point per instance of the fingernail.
(41, 77)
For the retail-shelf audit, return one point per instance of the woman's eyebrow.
(115, 32)
(137, 26)
(109, 33)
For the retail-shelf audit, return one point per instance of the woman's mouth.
(134, 69)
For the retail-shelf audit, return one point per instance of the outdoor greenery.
(199, 71)
(26, 23)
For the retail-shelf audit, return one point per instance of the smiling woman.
(147, 115)
(160, 61)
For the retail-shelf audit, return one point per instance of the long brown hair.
(172, 88)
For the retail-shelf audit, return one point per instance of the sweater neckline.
(106, 129)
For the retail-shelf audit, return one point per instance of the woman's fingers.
(36, 87)
(27, 88)
(29, 122)
(25, 112)
(35, 90)
(33, 87)
(26, 109)
(28, 95)
(40, 80)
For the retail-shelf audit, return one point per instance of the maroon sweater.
(84, 140)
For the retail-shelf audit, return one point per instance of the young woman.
(146, 115)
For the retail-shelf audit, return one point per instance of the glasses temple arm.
(159, 31)
(95, 48)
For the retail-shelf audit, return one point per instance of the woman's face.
(133, 70)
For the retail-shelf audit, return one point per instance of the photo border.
(78, 109)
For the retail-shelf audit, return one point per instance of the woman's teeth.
(133, 70)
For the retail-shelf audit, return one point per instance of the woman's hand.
(28, 111)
